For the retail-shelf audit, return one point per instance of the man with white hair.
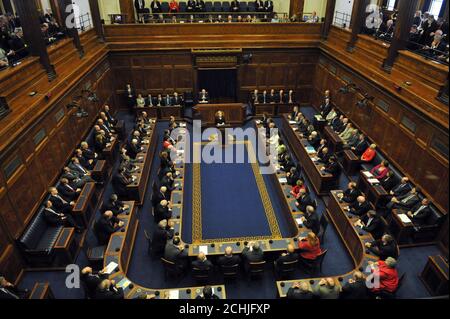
(202, 263)
(163, 211)
(252, 254)
(162, 234)
(229, 259)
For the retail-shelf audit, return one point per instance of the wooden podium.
(234, 113)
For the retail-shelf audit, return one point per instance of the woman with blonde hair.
(309, 247)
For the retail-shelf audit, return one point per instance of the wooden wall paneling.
(10, 263)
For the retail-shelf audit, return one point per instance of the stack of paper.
(368, 174)
(111, 267)
(404, 218)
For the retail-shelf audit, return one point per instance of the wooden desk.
(402, 232)
(99, 172)
(138, 189)
(435, 276)
(353, 237)
(41, 291)
(334, 141)
(375, 192)
(110, 151)
(351, 162)
(321, 182)
(234, 113)
(66, 247)
(85, 205)
(273, 109)
(161, 112)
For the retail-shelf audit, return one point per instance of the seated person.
(332, 167)
(291, 97)
(351, 194)
(68, 192)
(107, 290)
(56, 218)
(328, 288)
(360, 146)
(140, 101)
(255, 96)
(388, 182)
(234, 6)
(292, 176)
(159, 100)
(405, 202)
(380, 171)
(91, 280)
(11, 291)
(220, 118)
(202, 263)
(297, 188)
(303, 200)
(384, 247)
(372, 224)
(289, 256)
(314, 139)
(163, 211)
(401, 189)
(309, 247)
(324, 155)
(120, 182)
(203, 97)
(369, 154)
(229, 259)
(177, 100)
(310, 220)
(177, 254)
(420, 212)
(388, 276)
(286, 163)
(115, 205)
(269, 6)
(356, 288)
(88, 154)
(167, 100)
(272, 97)
(207, 294)
(105, 226)
(300, 291)
(252, 254)
(174, 6)
(360, 207)
(313, 18)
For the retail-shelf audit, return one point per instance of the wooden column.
(96, 19)
(127, 7)
(28, 13)
(296, 7)
(54, 4)
(406, 9)
(331, 5)
(358, 19)
(70, 26)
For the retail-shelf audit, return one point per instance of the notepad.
(111, 267)
(282, 180)
(203, 249)
(368, 174)
(124, 283)
(404, 218)
(174, 294)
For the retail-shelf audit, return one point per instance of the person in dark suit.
(300, 291)
(389, 181)
(360, 146)
(229, 259)
(310, 220)
(77, 167)
(169, 182)
(74, 178)
(68, 192)
(289, 256)
(155, 5)
(234, 6)
(202, 263)
(59, 203)
(177, 100)
(351, 193)
(405, 202)
(200, 7)
(177, 254)
(332, 167)
(110, 117)
(9, 291)
(108, 290)
(384, 247)
(355, 288)
(303, 200)
(314, 139)
(203, 97)
(88, 164)
(191, 6)
(292, 176)
(91, 280)
(56, 218)
(220, 118)
(162, 211)
(360, 207)
(259, 6)
(115, 205)
(139, 5)
(162, 234)
(401, 189)
(324, 155)
(252, 254)
(105, 226)
(325, 108)
(372, 224)
(420, 212)
(87, 153)
(207, 294)
(120, 182)
(159, 196)
(269, 6)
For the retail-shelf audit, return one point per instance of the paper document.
(282, 180)
(292, 122)
(368, 174)
(124, 283)
(203, 249)
(373, 181)
(404, 218)
(174, 294)
(299, 221)
(111, 267)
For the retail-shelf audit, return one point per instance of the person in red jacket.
(386, 274)
(381, 170)
(174, 6)
(369, 154)
(309, 247)
(296, 189)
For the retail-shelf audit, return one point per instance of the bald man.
(202, 263)
(289, 256)
(105, 226)
(162, 211)
(229, 259)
